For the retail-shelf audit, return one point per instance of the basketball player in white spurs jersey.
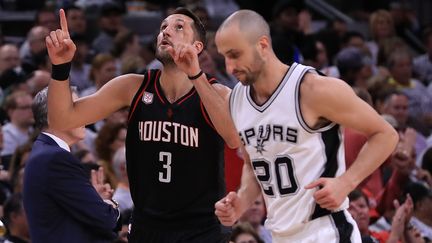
(288, 118)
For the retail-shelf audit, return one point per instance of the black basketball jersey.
(174, 159)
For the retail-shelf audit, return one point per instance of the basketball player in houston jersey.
(173, 149)
(288, 118)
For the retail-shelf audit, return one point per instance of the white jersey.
(286, 154)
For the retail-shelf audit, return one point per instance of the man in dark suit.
(60, 202)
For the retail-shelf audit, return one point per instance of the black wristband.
(196, 76)
(61, 72)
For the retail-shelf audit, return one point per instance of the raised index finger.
(63, 23)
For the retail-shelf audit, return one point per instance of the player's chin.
(243, 80)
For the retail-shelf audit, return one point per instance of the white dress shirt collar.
(60, 142)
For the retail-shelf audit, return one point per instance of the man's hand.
(331, 193)
(61, 48)
(228, 209)
(185, 57)
(103, 189)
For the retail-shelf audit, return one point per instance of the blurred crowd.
(383, 67)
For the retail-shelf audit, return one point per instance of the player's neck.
(268, 81)
(174, 83)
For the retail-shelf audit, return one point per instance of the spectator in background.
(220, 71)
(15, 220)
(351, 63)
(422, 215)
(314, 53)
(77, 21)
(359, 209)
(332, 36)
(382, 27)
(37, 49)
(286, 37)
(110, 23)
(122, 192)
(423, 64)
(11, 71)
(80, 69)
(255, 216)
(126, 46)
(16, 132)
(9, 57)
(102, 70)
(244, 232)
(46, 17)
(37, 81)
(420, 101)
(17, 165)
(110, 138)
(396, 104)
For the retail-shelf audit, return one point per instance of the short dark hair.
(198, 26)
(244, 228)
(72, 7)
(357, 194)
(351, 34)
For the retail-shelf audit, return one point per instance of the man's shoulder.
(45, 150)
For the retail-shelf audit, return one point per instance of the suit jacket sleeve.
(72, 190)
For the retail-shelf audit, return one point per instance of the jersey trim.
(265, 105)
(157, 90)
(232, 97)
(343, 227)
(205, 115)
(331, 142)
(298, 108)
(138, 98)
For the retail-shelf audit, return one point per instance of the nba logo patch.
(147, 98)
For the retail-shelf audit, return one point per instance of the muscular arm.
(334, 100)
(215, 99)
(65, 114)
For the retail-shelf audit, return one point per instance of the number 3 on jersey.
(285, 178)
(165, 159)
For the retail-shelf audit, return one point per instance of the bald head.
(9, 57)
(251, 24)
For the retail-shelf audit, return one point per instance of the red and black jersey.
(174, 159)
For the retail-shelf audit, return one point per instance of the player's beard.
(255, 70)
(164, 57)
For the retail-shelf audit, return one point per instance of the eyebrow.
(181, 20)
(230, 51)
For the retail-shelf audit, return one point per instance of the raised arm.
(334, 100)
(214, 97)
(63, 112)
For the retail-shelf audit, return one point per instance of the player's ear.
(199, 46)
(263, 44)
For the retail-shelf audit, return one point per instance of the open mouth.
(165, 42)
